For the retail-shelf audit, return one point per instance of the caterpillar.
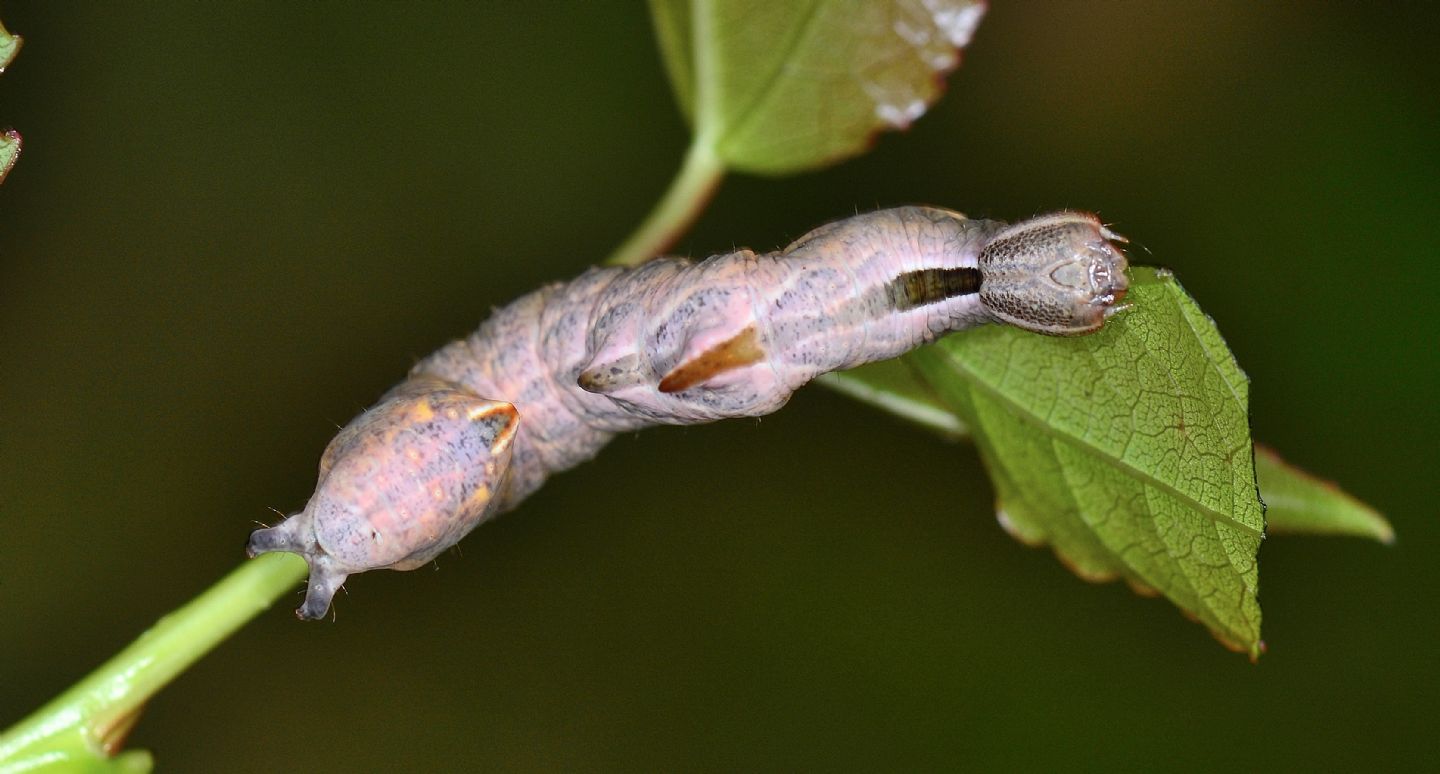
(547, 381)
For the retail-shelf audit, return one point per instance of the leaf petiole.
(682, 202)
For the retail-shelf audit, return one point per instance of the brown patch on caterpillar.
(929, 286)
(736, 352)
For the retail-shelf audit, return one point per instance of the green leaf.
(1296, 502)
(672, 32)
(9, 46)
(9, 151)
(775, 87)
(1299, 503)
(1128, 451)
(9, 139)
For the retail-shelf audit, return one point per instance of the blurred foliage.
(9, 139)
(9, 46)
(222, 244)
(1297, 503)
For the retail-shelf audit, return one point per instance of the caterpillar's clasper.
(401, 483)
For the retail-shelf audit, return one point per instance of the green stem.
(927, 414)
(90, 720)
(677, 209)
(92, 717)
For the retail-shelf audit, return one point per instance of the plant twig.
(677, 209)
(90, 720)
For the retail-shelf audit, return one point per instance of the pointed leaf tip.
(9, 47)
(1299, 503)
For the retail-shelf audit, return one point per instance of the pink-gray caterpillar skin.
(547, 381)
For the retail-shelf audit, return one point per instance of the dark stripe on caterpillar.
(929, 286)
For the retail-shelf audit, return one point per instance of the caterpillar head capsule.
(401, 483)
(1057, 274)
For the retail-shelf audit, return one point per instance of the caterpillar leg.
(325, 579)
(320, 588)
(401, 483)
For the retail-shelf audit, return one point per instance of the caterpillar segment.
(401, 483)
(547, 381)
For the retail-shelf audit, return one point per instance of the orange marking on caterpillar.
(737, 352)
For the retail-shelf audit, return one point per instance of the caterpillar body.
(547, 381)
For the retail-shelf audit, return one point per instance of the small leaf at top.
(9, 151)
(672, 31)
(1128, 451)
(1299, 503)
(9, 46)
(781, 87)
(9, 139)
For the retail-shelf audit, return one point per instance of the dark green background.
(234, 227)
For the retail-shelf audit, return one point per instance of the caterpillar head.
(401, 483)
(1056, 274)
